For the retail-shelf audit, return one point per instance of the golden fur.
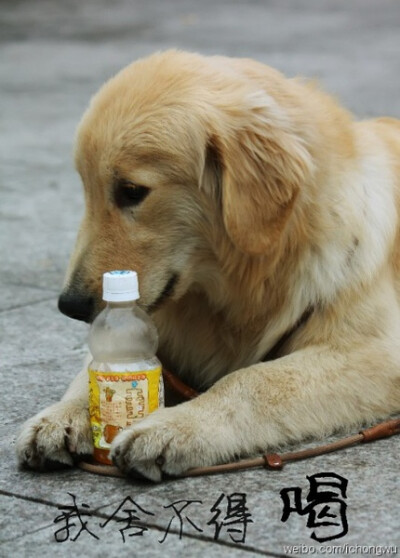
(266, 199)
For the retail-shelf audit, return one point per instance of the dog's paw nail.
(160, 461)
(136, 475)
(115, 458)
(28, 455)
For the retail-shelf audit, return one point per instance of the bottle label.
(119, 399)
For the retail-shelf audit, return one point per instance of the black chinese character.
(235, 512)
(63, 534)
(326, 508)
(178, 515)
(131, 521)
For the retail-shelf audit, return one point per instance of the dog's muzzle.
(77, 306)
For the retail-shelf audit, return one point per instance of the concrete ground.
(53, 57)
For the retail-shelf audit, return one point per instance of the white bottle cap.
(120, 286)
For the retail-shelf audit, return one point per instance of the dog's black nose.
(76, 306)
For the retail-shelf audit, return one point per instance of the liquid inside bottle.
(125, 380)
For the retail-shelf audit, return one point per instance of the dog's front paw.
(168, 441)
(55, 437)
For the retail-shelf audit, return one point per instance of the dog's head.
(186, 161)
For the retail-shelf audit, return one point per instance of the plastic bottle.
(125, 380)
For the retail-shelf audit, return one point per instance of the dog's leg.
(60, 432)
(311, 392)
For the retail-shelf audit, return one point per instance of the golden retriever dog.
(263, 222)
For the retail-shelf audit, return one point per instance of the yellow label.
(118, 399)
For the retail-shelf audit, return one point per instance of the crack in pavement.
(97, 513)
(25, 304)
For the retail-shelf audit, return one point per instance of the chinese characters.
(326, 508)
(230, 513)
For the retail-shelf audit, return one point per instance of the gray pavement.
(53, 57)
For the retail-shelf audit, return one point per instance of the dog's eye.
(127, 194)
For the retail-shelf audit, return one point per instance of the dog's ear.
(263, 165)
